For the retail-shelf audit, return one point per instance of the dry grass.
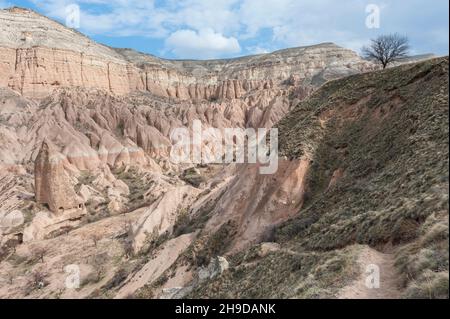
(388, 132)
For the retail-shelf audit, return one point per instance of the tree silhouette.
(387, 48)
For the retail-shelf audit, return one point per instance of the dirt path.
(387, 280)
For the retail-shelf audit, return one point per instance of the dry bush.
(95, 238)
(127, 228)
(98, 262)
(128, 247)
(38, 253)
(38, 280)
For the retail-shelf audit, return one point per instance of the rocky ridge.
(38, 55)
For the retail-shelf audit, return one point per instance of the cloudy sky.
(206, 29)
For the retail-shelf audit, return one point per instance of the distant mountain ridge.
(33, 47)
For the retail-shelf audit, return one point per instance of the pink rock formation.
(100, 118)
(51, 183)
(38, 55)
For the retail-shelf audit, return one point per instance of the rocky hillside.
(86, 181)
(38, 55)
(377, 146)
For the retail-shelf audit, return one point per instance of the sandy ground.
(388, 288)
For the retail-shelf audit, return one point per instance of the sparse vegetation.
(127, 239)
(374, 147)
(188, 222)
(38, 253)
(10, 278)
(192, 176)
(388, 132)
(138, 186)
(392, 181)
(118, 278)
(95, 238)
(424, 264)
(37, 280)
(98, 262)
(214, 244)
(85, 178)
(282, 275)
(182, 224)
(153, 241)
(128, 247)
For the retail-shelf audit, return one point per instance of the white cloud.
(219, 15)
(256, 50)
(256, 16)
(205, 44)
(116, 17)
(266, 24)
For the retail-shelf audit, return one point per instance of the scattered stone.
(215, 268)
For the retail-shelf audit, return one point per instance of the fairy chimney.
(52, 185)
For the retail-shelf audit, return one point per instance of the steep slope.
(378, 150)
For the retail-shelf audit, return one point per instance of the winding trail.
(388, 288)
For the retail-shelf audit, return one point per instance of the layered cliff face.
(82, 123)
(102, 105)
(38, 55)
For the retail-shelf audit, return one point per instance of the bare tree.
(98, 262)
(127, 228)
(128, 247)
(387, 48)
(10, 276)
(95, 238)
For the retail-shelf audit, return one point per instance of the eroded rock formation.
(38, 55)
(82, 123)
(52, 185)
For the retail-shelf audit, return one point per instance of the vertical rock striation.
(52, 185)
(38, 55)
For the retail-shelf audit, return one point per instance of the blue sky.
(203, 29)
